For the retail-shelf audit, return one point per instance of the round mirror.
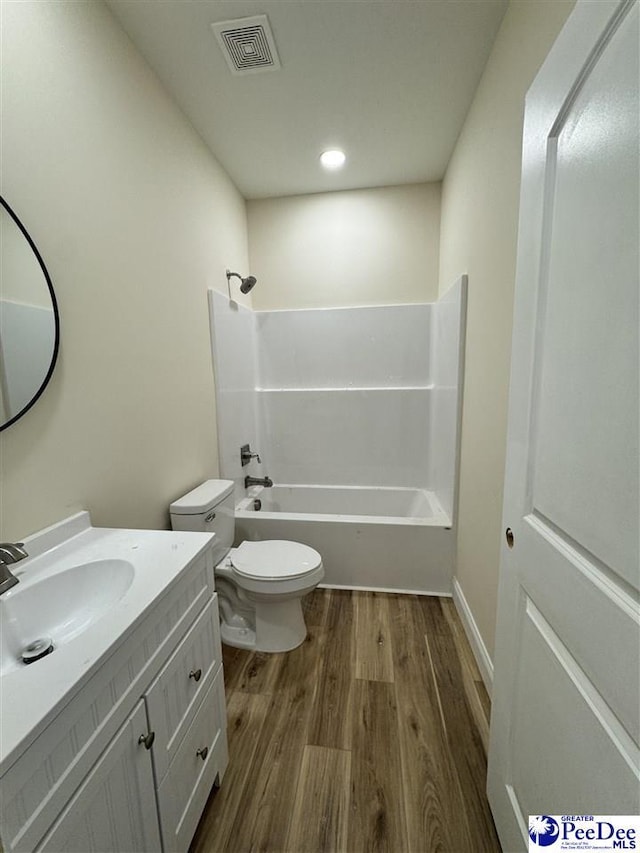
(29, 323)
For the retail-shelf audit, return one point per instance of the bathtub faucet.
(267, 482)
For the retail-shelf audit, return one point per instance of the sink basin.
(60, 605)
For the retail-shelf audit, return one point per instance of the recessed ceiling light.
(333, 159)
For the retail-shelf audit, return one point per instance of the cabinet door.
(114, 809)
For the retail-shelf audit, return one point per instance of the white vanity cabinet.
(129, 762)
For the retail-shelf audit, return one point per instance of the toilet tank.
(209, 508)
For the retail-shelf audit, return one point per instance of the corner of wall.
(480, 203)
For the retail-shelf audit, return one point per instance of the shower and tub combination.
(354, 415)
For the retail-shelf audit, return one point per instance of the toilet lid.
(275, 559)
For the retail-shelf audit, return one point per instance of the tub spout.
(267, 482)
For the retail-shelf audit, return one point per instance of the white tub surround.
(342, 348)
(344, 395)
(353, 409)
(346, 436)
(233, 352)
(448, 323)
(112, 715)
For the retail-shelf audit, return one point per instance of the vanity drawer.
(174, 696)
(200, 757)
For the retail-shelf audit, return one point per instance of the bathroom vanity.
(114, 740)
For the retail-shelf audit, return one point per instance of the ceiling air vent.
(247, 45)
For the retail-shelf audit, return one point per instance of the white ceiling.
(388, 81)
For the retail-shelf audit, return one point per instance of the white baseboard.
(483, 659)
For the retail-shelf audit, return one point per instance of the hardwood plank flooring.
(474, 688)
(263, 821)
(369, 737)
(256, 673)
(431, 787)
(373, 650)
(332, 719)
(462, 735)
(320, 815)
(378, 819)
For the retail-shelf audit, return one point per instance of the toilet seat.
(274, 559)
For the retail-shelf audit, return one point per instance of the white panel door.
(114, 810)
(565, 723)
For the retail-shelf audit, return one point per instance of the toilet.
(260, 585)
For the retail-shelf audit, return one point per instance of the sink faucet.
(9, 553)
(267, 482)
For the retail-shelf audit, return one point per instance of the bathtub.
(384, 539)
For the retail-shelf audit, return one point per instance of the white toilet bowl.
(270, 578)
(260, 585)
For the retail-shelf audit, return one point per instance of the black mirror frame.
(56, 317)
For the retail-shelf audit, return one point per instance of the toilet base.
(239, 638)
(280, 627)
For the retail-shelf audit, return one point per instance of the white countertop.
(30, 696)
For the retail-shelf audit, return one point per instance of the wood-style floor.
(371, 736)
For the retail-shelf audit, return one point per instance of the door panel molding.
(604, 577)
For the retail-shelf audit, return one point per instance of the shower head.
(248, 283)
(245, 283)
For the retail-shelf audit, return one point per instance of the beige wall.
(134, 220)
(478, 236)
(360, 247)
